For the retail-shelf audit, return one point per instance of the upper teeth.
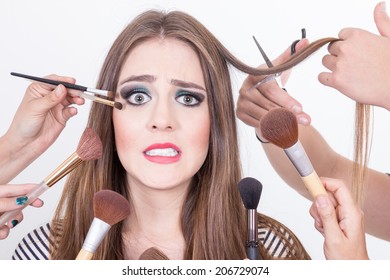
(163, 152)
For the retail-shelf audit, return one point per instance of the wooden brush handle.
(84, 255)
(313, 184)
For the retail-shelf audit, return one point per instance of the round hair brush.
(250, 190)
(280, 127)
(89, 148)
(109, 209)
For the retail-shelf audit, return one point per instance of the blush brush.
(82, 90)
(89, 148)
(280, 127)
(109, 209)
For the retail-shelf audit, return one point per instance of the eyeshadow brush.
(90, 147)
(84, 91)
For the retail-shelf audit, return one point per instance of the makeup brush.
(90, 147)
(153, 254)
(109, 209)
(250, 191)
(280, 127)
(83, 90)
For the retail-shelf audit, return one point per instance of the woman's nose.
(163, 117)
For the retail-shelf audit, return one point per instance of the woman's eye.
(138, 98)
(188, 99)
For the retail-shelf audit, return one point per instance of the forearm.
(13, 159)
(324, 160)
(377, 204)
(328, 163)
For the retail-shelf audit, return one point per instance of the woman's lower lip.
(162, 160)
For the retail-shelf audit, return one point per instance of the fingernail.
(303, 120)
(14, 223)
(383, 6)
(296, 109)
(58, 90)
(21, 200)
(322, 201)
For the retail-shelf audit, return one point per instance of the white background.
(72, 37)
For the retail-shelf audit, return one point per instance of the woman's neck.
(155, 221)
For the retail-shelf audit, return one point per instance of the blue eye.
(136, 96)
(189, 98)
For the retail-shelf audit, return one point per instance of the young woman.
(172, 151)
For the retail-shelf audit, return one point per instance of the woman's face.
(162, 134)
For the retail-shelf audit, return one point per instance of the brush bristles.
(280, 127)
(118, 105)
(90, 146)
(110, 206)
(250, 190)
(153, 254)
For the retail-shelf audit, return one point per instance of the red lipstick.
(163, 153)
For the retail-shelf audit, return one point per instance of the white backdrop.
(72, 37)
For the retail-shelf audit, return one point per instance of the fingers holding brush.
(12, 197)
(40, 118)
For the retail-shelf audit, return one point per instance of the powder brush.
(280, 127)
(153, 254)
(89, 148)
(250, 190)
(83, 91)
(109, 209)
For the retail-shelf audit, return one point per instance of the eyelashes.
(135, 96)
(189, 98)
(139, 95)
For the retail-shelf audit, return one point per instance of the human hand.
(359, 63)
(12, 197)
(37, 123)
(254, 102)
(340, 221)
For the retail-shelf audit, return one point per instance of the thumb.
(382, 19)
(327, 214)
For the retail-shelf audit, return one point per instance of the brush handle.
(252, 252)
(31, 196)
(84, 255)
(49, 81)
(97, 231)
(65, 84)
(97, 99)
(313, 184)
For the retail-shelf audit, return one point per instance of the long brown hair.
(361, 151)
(213, 218)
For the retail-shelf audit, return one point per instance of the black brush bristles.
(250, 191)
(280, 127)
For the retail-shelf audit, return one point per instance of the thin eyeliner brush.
(84, 90)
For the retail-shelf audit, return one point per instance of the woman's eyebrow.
(186, 84)
(139, 78)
